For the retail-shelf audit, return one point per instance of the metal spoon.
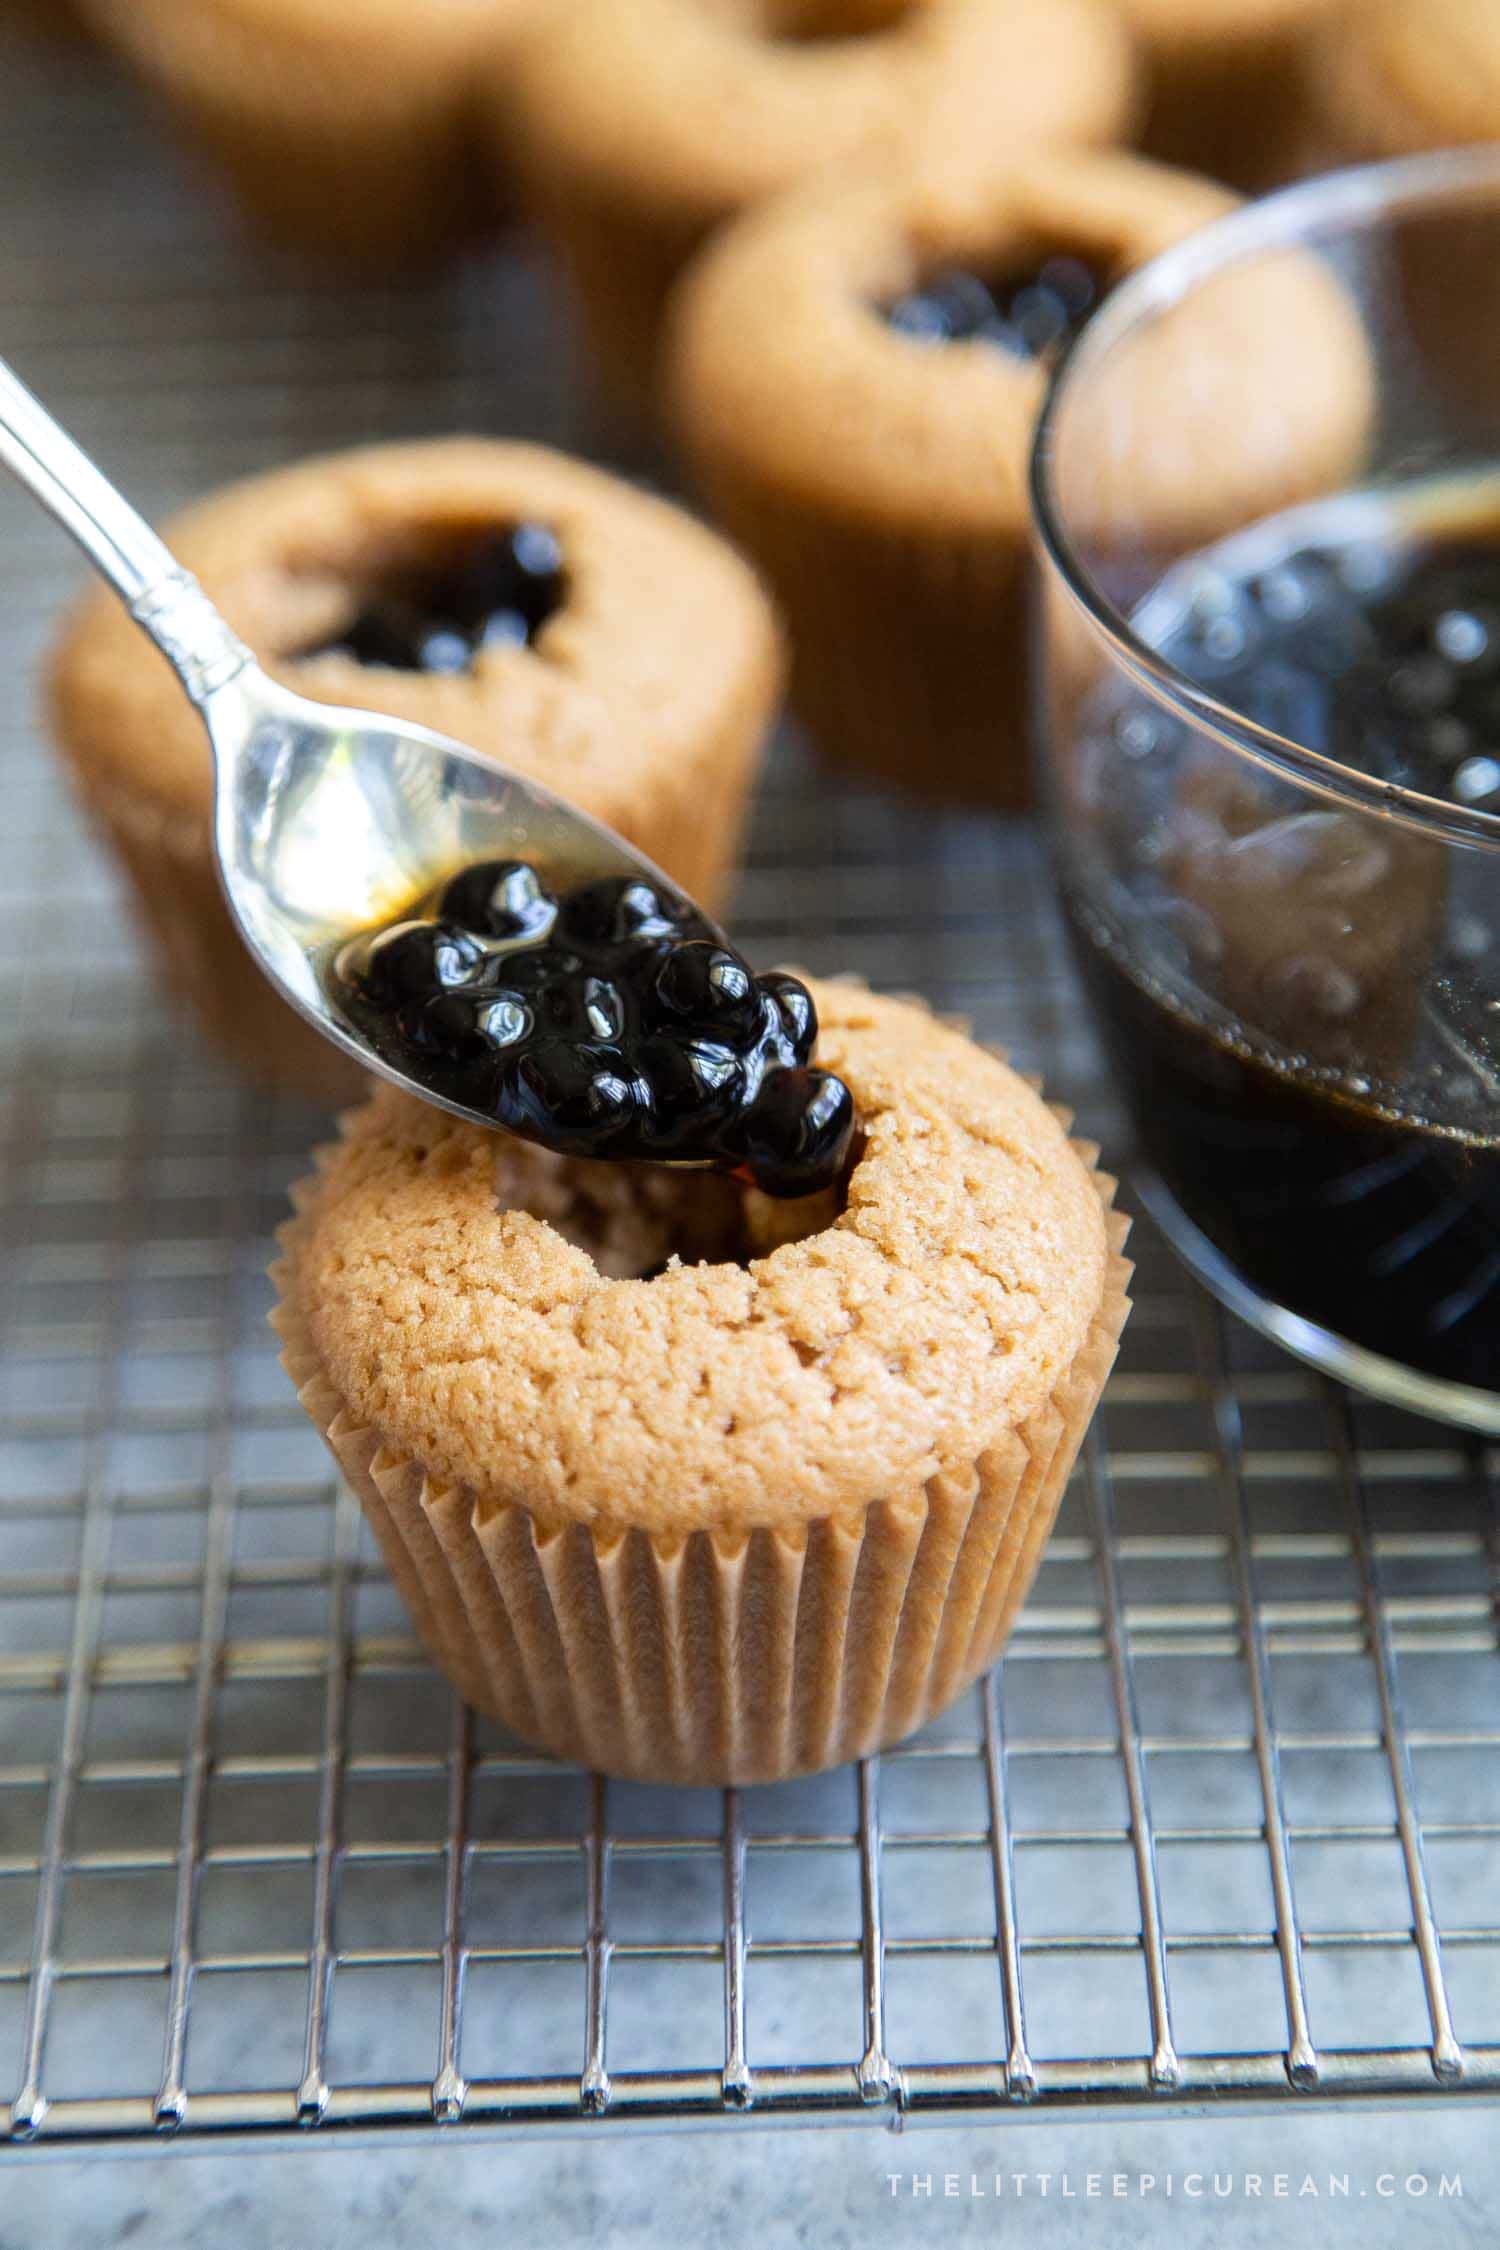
(325, 820)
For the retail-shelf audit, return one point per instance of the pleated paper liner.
(907, 644)
(721, 1657)
(201, 955)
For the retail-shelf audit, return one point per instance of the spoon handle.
(162, 597)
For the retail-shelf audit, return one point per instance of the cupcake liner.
(907, 646)
(329, 143)
(621, 269)
(722, 1657)
(174, 888)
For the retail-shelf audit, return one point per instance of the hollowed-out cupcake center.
(635, 1221)
(1029, 306)
(437, 612)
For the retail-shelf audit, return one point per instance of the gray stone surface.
(818, 2186)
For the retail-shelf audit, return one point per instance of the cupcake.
(348, 127)
(855, 372)
(578, 630)
(1384, 79)
(1223, 81)
(642, 124)
(684, 1499)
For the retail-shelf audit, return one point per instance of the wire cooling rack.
(1224, 1824)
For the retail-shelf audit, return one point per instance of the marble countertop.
(828, 2187)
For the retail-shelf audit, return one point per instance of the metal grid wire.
(1223, 1824)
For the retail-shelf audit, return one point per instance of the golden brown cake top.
(441, 1274)
(782, 367)
(662, 631)
(694, 108)
(1402, 75)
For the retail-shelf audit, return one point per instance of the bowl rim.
(1288, 219)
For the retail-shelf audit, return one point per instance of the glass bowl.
(1267, 490)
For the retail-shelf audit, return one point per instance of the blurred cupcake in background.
(855, 375)
(592, 637)
(1387, 79)
(346, 127)
(641, 125)
(1223, 84)
(1391, 78)
(52, 20)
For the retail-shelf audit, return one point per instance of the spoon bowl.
(327, 820)
(331, 820)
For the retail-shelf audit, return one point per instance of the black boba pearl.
(692, 1080)
(705, 984)
(576, 1093)
(504, 628)
(500, 898)
(616, 909)
(387, 636)
(603, 1008)
(499, 592)
(466, 1028)
(442, 648)
(951, 306)
(508, 587)
(605, 1021)
(795, 1135)
(794, 1005)
(1029, 315)
(413, 960)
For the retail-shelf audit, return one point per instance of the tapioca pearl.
(1029, 314)
(498, 592)
(1218, 632)
(1422, 685)
(1366, 567)
(412, 959)
(1143, 733)
(1470, 937)
(799, 1125)
(1446, 739)
(615, 910)
(514, 574)
(1477, 781)
(500, 899)
(705, 984)
(562, 1036)
(444, 651)
(467, 1030)
(794, 1007)
(572, 1090)
(1463, 636)
(603, 1009)
(1284, 594)
(504, 628)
